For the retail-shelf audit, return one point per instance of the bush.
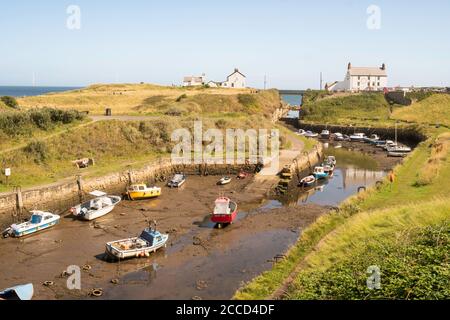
(38, 150)
(183, 96)
(10, 102)
(176, 111)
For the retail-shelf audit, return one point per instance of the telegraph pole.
(265, 82)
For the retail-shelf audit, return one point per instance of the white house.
(234, 80)
(194, 81)
(361, 79)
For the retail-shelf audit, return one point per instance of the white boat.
(97, 207)
(399, 149)
(372, 139)
(310, 134)
(325, 134)
(39, 220)
(177, 181)
(149, 241)
(307, 181)
(331, 160)
(397, 154)
(357, 137)
(224, 181)
(338, 136)
(23, 292)
(301, 132)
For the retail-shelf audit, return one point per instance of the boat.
(95, 208)
(300, 132)
(22, 292)
(39, 221)
(142, 191)
(338, 136)
(224, 181)
(389, 144)
(319, 173)
(331, 160)
(242, 175)
(399, 149)
(397, 154)
(357, 137)
(225, 211)
(310, 134)
(325, 134)
(177, 181)
(307, 181)
(329, 169)
(372, 139)
(385, 144)
(148, 242)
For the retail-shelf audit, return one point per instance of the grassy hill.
(153, 99)
(365, 108)
(430, 110)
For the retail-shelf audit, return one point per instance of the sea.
(293, 100)
(16, 91)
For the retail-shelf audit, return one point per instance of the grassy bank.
(402, 228)
(149, 99)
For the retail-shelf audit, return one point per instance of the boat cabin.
(222, 206)
(151, 236)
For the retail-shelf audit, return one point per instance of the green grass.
(354, 109)
(434, 109)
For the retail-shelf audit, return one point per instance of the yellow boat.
(142, 191)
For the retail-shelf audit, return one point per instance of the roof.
(367, 71)
(193, 79)
(237, 71)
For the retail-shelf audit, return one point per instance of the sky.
(288, 41)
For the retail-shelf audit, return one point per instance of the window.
(359, 77)
(378, 78)
(378, 84)
(141, 188)
(359, 84)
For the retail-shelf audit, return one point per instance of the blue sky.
(161, 41)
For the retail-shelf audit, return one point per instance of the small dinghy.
(399, 149)
(97, 207)
(308, 181)
(149, 241)
(224, 181)
(225, 212)
(23, 292)
(39, 221)
(338, 136)
(319, 173)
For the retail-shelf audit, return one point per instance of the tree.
(10, 102)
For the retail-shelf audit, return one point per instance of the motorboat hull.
(116, 253)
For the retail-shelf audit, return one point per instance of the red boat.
(242, 175)
(225, 211)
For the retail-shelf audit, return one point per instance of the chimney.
(383, 67)
(236, 70)
(349, 65)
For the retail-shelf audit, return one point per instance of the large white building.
(361, 79)
(234, 80)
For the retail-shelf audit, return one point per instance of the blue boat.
(23, 292)
(39, 220)
(319, 173)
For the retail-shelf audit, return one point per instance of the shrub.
(10, 102)
(176, 111)
(38, 150)
(183, 96)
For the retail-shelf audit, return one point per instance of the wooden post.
(130, 179)
(19, 202)
(80, 188)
